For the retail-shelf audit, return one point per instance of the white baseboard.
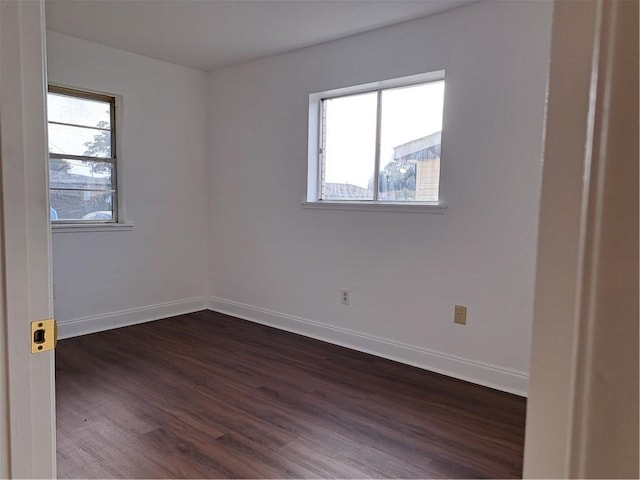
(473, 371)
(453, 366)
(124, 318)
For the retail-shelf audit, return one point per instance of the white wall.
(272, 261)
(275, 262)
(159, 267)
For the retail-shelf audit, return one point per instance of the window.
(82, 156)
(378, 143)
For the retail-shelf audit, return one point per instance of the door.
(27, 432)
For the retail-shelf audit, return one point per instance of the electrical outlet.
(345, 297)
(460, 315)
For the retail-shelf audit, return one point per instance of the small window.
(380, 144)
(82, 156)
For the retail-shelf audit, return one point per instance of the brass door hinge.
(44, 335)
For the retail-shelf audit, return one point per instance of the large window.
(380, 143)
(82, 156)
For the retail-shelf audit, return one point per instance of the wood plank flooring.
(205, 395)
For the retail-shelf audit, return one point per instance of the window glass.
(349, 147)
(78, 111)
(87, 205)
(64, 139)
(410, 143)
(382, 144)
(81, 174)
(82, 163)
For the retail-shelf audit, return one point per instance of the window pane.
(410, 143)
(349, 147)
(81, 205)
(78, 111)
(79, 141)
(67, 173)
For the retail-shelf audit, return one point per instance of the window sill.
(90, 227)
(406, 207)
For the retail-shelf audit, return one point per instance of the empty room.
(326, 239)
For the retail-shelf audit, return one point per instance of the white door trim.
(582, 413)
(28, 432)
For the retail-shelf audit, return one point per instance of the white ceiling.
(208, 34)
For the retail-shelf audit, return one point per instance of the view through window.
(82, 158)
(383, 145)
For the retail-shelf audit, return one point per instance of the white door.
(27, 433)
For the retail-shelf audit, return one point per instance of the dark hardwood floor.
(205, 395)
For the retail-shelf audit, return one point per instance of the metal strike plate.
(44, 335)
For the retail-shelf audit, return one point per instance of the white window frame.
(118, 223)
(315, 155)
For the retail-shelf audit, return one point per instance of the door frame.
(582, 412)
(27, 387)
